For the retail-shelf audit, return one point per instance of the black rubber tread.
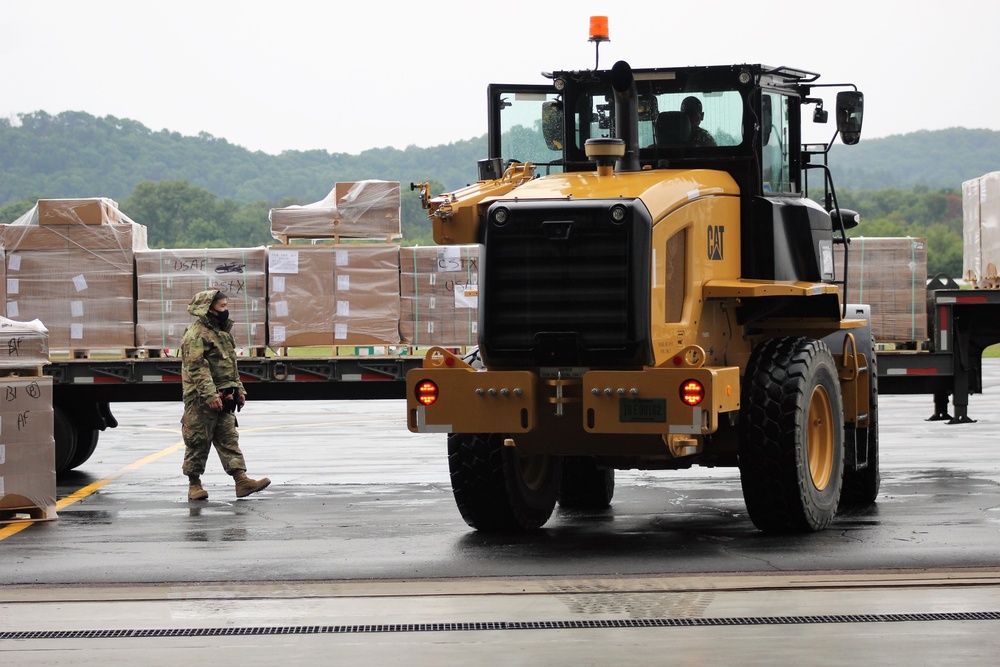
(489, 490)
(861, 486)
(774, 467)
(585, 485)
(65, 439)
(86, 443)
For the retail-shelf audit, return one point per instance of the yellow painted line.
(90, 489)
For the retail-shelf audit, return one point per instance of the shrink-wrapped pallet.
(362, 209)
(439, 294)
(76, 278)
(168, 278)
(890, 274)
(333, 295)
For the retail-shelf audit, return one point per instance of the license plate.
(642, 410)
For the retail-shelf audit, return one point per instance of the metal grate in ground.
(503, 626)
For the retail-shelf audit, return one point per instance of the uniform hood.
(201, 302)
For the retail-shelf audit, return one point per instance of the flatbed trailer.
(83, 389)
(961, 324)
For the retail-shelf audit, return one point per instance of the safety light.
(598, 34)
(692, 392)
(599, 29)
(427, 392)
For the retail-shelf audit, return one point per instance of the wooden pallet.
(21, 514)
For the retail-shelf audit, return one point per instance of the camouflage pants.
(202, 427)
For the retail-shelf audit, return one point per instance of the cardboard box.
(333, 295)
(439, 293)
(27, 448)
(362, 209)
(78, 280)
(890, 274)
(23, 345)
(167, 279)
(95, 211)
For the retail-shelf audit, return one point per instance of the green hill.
(204, 191)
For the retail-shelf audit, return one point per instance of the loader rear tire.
(861, 486)
(791, 451)
(585, 485)
(497, 490)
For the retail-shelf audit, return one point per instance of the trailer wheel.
(65, 439)
(585, 485)
(495, 489)
(791, 436)
(861, 486)
(86, 443)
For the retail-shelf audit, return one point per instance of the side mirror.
(848, 218)
(552, 124)
(850, 112)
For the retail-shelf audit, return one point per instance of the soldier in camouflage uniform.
(699, 135)
(212, 393)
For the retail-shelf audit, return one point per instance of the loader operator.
(699, 135)
(212, 394)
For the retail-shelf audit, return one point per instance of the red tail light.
(427, 392)
(692, 392)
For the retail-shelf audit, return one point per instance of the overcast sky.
(348, 76)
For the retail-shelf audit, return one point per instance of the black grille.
(566, 283)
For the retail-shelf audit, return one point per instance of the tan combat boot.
(195, 490)
(245, 486)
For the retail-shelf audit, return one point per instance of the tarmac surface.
(356, 551)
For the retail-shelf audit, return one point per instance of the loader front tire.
(497, 490)
(791, 450)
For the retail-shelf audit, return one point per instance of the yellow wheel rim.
(819, 437)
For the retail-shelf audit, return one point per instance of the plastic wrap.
(362, 209)
(167, 279)
(27, 449)
(989, 229)
(972, 268)
(335, 295)
(890, 274)
(439, 294)
(23, 345)
(77, 278)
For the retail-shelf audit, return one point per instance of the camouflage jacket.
(208, 354)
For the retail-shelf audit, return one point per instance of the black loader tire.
(861, 486)
(495, 489)
(586, 486)
(791, 436)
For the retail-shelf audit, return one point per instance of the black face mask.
(220, 317)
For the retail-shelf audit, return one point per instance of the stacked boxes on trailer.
(166, 280)
(890, 274)
(439, 287)
(332, 293)
(69, 263)
(981, 230)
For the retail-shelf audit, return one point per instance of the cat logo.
(715, 233)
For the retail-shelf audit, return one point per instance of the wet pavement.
(360, 509)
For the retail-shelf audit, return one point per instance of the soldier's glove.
(230, 402)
